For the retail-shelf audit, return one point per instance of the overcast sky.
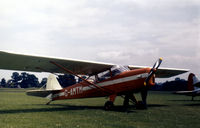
(123, 32)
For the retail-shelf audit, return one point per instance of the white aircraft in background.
(193, 87)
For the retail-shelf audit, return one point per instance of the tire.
(141, 105)
(108, 105)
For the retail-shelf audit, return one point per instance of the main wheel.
(141, 105)
(108, 105)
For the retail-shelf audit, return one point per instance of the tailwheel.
(108, 105)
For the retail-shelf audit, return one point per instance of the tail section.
(52, 83)
(190, 86)
(193, 82)
(52, 86)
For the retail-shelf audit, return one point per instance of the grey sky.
(118, 31)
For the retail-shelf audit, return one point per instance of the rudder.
(190, 86)
(52, 83)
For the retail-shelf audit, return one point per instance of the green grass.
(165, 111)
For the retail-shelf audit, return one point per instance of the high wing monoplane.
(104, 79)
(193, 87)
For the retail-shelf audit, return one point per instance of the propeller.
(145, 89)
(153, 70)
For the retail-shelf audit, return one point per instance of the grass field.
(165, 111)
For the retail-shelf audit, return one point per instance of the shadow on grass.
(189, 102)
(31, 110)
(61, 107)
(157, 105)
(116, 108)
(184, 100)
(192, 104)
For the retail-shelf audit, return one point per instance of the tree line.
(27, 80)
(174, 85)
(23, 80)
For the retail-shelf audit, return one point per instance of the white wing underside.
(13, 61)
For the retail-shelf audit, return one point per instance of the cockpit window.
(118, 69)
(104, 75)
(115, 70)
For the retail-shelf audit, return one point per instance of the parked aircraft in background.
(104, 80)
(193, 87)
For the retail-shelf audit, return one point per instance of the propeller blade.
(143, 105)
(157, 64)
(153, 70)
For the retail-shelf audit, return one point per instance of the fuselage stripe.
(117, 81)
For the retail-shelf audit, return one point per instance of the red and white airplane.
(104, 80)
(193, 87)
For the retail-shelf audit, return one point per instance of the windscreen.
(118, 69)
(115, 71)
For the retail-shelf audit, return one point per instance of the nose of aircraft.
(148, 82)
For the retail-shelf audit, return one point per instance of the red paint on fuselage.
(129, 81)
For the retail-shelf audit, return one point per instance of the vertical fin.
(52, 83)
(190, 86)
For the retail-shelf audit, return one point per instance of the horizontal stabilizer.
(189, 93)
(184, 92)
(41, 93)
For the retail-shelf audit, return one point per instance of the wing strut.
(67, 70)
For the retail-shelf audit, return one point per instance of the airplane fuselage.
(128, 81)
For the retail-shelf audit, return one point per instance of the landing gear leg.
(142, 104)
(133, 99)
(192, 98)
(126, 99)
(49, 102)
(109, 104)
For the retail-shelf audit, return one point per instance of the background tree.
(26, 80)
(29, 80)
(9, 83)
(43, 82)
(3, 82)
(66, 80)
(16, 78)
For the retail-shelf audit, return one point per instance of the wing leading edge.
(163, 72)
(13, 61)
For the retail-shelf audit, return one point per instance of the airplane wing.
(12, 61)
(163, 72)
(189, 93)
